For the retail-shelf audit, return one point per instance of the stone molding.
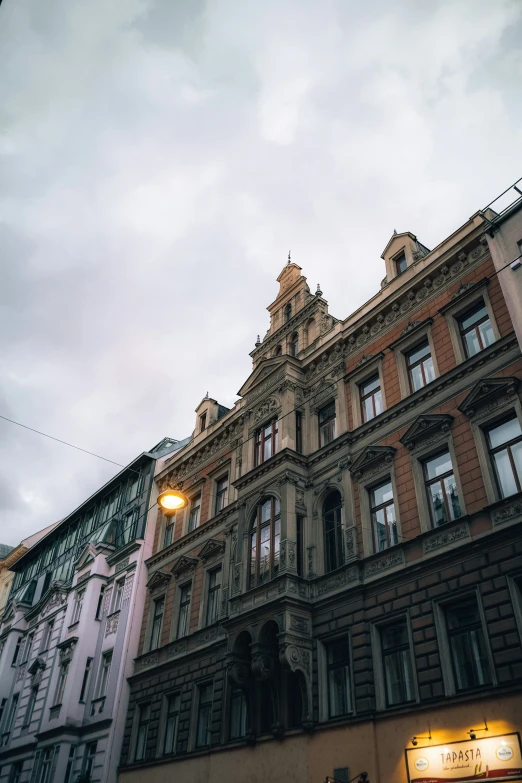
(372, 460)
(426, 427)
(212, 549)
(443, 538)
(488, 395)
(390, 560)
(182, 565)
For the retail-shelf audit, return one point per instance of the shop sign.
(491, 758)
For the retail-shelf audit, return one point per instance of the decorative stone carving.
(107, 599)
(121, 564)
(266, 408)
(372, 459)
(213, 548)
(507, 512)
(299, 624)
(444, 538)
(310, 551)
(159, 580)
(127, 590)
(150, 660)
(207, 636)
(21, 673)
(57, 599)
(489, 394)
(176, 648)
(182, 565)
(340, 579)
(112, 624)
(224, 601)
(351, 546)
(263, 666)
(237, 577)
(391, 560)
(410, 327)
(426, 427)
(36, 670)
(299, 497)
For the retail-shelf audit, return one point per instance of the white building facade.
(70, 632)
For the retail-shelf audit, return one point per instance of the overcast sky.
(158, 160)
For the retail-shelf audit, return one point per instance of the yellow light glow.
(171, 500)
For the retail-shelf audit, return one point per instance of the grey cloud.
(158, 161)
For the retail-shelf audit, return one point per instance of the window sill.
(73, 625)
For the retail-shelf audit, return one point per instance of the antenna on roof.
(394, 232)
(289, 259)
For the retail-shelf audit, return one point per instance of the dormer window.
(400, 264)
(203, 422)
(287, 312)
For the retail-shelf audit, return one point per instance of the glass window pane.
(439, 465)
(266, 511)
(392, 524)
(516, 451)
(377, 399)
(381, 494)
(418, 353)
(380, 530)
(437, 503)
(452, 496)
(370, 386)
(506, 478)
(475, 315)
(504, 432)
(486, 333)
(339, 651)
(368, 409)
(463, 615)
(417, 381)
(472, 343)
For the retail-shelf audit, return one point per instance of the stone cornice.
(282, 457)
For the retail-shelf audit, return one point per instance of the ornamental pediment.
(266, 368)
(372, 459)
(426, 427)
(489, 393)
(159, 579)
(183, 564)
(86, 556)
(213, 548)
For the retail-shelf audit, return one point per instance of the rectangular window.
(28, 647)
(505, 448)
(384, 520)
(238, 714)
(214, 589)
(16, 651)
(327, 424)
(221, 493)
(44, 773)
(118, 595)
(12, 712)
(143, 731)
(442, 491)
(420, 366)
(338, 672)
(86, 679)
(89, 759)
(157, 622)
(401, 264)
(195, 509)
(105, 671)
(77, 608)
(16, 772)
(30, 705)
(46, 636)
(203, 422)
(171, 725)
(2, 709)
(184, 610)
(299, 545)
(396, 663)
(266, 442)
(70, 764)
(476, 330)
(204, 716)
(134, 488)
(168, 536)
(62, 679)
(371, 398)
(99, 605)
(299, 432)
(467, 645)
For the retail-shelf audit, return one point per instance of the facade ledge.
(506, 510)
(124, 551)
(281, 457)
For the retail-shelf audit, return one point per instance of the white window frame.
(378, 661)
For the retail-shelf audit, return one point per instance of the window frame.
(447, 666)
(259, 526)
(194, 506)
(77, 606)
(338, 531)
(181, 605)
(142, 709)
(397, 260)
(458, 308)
(473, 328)
(507, 447)
(327, 423)
(260, 440)
(103, 681)
(366, 484)
(324, 682)
(47, 636)
(381, 690)
(370, 396)
(294, 344)
(89, 758)
(117, 595)
(209, 704)
(165, 724)
(154, 617)
(358, 377)
(61, 682)
(33, 696)
(383, 506)
(101, 599)
(440, 479)
(215, 592)
(86, 680)
(219, 494)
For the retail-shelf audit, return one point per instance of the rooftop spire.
(289, 259)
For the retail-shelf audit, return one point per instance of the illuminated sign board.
(491, 758)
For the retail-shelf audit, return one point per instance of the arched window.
(265, 537)
(288, 312)
(333, 531)
(278, 351)
(294, 344)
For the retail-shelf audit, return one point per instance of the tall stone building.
(343, 591)
(70, 632)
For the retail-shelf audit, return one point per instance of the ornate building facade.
(70, 631)
(345, 582)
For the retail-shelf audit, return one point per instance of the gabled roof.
(183, 563)
(4, 550)
(486, 391)
(158, 579)
(265, 368)
(213, 547)
(398, 237)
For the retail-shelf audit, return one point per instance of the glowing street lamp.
(172, 500)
